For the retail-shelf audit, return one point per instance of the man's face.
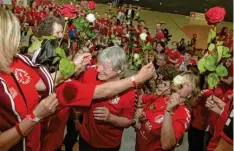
(158, 27)
(57, 30)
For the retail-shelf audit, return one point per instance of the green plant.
(211, 64)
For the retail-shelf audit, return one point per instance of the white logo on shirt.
(159, 119)
(115, 100)
(22, 76)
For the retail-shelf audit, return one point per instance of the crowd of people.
(99, 101)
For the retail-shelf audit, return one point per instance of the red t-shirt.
(173, 55)
(148, 137)
(27, 79)
(219, 127)
(70, 94)
(192, 61)
(159, 36)
(101, 134)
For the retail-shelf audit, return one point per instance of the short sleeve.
(73, 93)
(129, 107)
(181, 122)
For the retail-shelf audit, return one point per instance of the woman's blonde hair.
(194, 79)
(9, 39)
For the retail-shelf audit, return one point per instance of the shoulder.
(183, 112)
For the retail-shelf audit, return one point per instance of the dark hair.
(223, 33)
(46, 27)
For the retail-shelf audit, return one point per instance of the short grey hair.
(116, 55)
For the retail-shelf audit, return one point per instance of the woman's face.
(229, 62)
(151, 58)
(124, 25)
(159, 48)
(174, 46)
(225, 30)
(186, 89)
(105, 71)
(155, 45)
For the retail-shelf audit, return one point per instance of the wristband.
(133, 81)
(170, 112)
(19, 130)
(31, 117)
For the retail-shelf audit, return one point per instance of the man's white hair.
(116, 55)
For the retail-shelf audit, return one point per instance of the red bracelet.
(19, 130)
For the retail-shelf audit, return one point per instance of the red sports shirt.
(148, 137)
(13, 108)
(70, 94)
(101, 134)
(219, 126)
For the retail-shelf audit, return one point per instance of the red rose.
(92, 5)
(136, 50)
(215, 15)
(69, 11)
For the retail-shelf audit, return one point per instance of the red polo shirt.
(27, 79)
(101, 134)
(148, 137)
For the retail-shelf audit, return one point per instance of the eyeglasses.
(104, 67)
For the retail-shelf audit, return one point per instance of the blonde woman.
(19, 108)
(168, 116)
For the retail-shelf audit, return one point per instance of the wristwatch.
(31, 117)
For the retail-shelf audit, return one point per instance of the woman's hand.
(82, 60)
(173, 102)
(46, 107)
(102, 114)
(215, 104)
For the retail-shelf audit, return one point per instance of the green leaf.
(226, 52)
(60, 52)
(213, 80)
(211, 47)
(220, 52)
(35, 45)
(219, 43)
(79, 23)
(221, 70)
(147, 47)
(56, 59)
(66, 67)
(48, 37)
(200, 65)
(210, 63)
